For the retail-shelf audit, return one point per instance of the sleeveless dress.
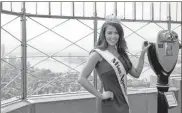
(110, 83)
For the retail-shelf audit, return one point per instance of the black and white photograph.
(90, 56)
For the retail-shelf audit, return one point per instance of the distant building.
(2, 50)
(12, 59)
(69, 62)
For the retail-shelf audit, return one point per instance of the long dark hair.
(121, 44)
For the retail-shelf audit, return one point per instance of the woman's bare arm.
(136, 72)
(86, 71)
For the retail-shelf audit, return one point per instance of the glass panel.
(120, 9)
(90, 42)
(16, 6)
(57, 55)
(6, 6)
(128, 10)
(110, 8)
(164, 9)
(148, 34)
(101, 9)
(55, 8)
(157, 10)
(89, 9)
(30, 7)
(146, 11)
(10, 59)
(173, 11)
(79, 8)
(13, 29)
(139, 10)
(43, 8)
(179, 12)
(67, 9)
(73, 33)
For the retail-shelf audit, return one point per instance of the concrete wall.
(70, 106)
(140, 103)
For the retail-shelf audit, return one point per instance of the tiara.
(112, 19)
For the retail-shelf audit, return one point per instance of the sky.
(52, 42)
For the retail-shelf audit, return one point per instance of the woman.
(111, 45)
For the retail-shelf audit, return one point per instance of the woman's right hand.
(107, 95)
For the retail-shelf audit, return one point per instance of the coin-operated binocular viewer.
(162, 57)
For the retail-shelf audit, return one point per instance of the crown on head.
(112, 19)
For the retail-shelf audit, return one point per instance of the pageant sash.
(118, 68)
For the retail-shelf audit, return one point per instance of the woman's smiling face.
(111, 35)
